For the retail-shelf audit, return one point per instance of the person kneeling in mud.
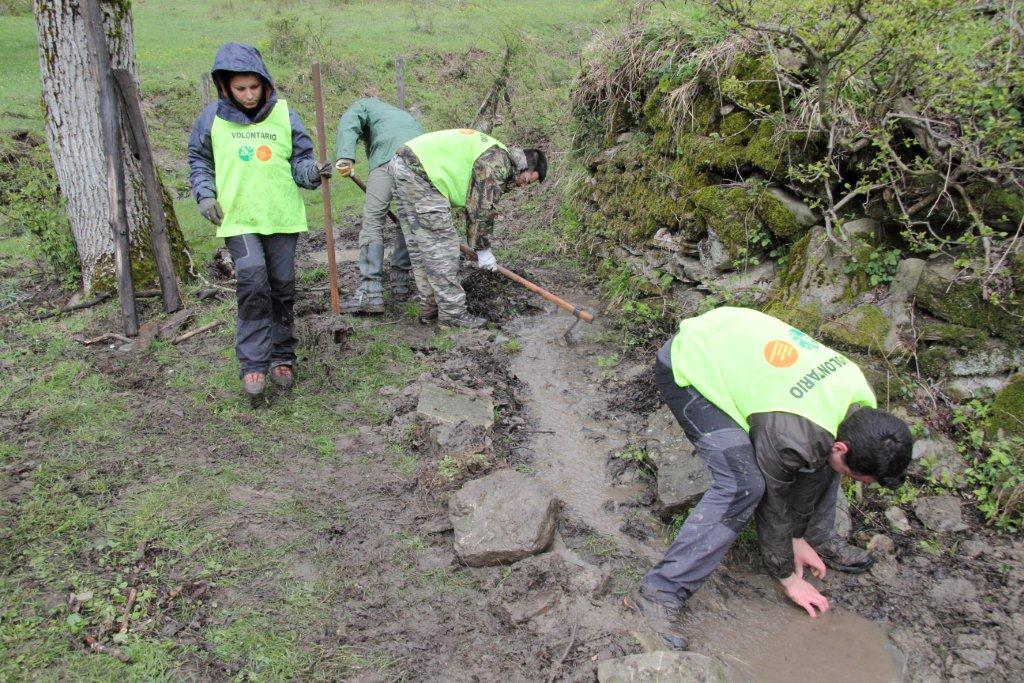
(778, 419)
(248, 155)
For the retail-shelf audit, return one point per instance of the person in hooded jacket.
(248, 154)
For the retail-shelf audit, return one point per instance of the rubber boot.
(361, 302)
(844, 557)
(369, 296)
(282, 382)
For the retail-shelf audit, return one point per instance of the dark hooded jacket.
(234, 58)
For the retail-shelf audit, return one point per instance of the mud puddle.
(738, 618)
(570, 447)
(766, 640)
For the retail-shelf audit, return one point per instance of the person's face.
(527, 177)
(247, 89)
(837, 461)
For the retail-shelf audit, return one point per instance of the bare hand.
(805, 556)
(805, 595)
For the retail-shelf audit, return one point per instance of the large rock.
(682, 476)
(940, 513)
(985, 359)
(939, 460)
(815, 282)
(949, 293)
(444, 406)
(897, 304)
(502, 518)
(661, 667)
(804, 215)
(865, 328)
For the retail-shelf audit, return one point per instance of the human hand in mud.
(805, 595)
(805, 556)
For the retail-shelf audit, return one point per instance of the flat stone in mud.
(661, 667)
(940, 513)
(682, 476)
(447, 407)
(502, 518)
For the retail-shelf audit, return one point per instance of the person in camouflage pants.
(442, 170)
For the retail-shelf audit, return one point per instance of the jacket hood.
(240, 58)
(233, 58)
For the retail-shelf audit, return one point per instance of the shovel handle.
(325, 188)
(581, 313)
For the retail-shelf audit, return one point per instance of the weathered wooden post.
(110, 117)
(400, 82)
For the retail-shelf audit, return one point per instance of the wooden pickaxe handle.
(581, 313)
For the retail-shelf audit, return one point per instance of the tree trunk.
(74, 137)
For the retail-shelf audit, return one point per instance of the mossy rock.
(952, 335)
(744, 218)
(865, 328)
(1008, 410)
(960, 300)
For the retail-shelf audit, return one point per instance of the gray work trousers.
(727, 506)
(380, 188)
(265, 275)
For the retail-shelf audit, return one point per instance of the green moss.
(865, 328)
(746, 219)
(963, 303)
(1008, 410)
(955, 335)
(934, 361)
(805, 317)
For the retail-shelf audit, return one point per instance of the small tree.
(74, 137)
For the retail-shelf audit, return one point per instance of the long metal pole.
(321, 143)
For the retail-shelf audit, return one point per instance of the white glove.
(485, 259)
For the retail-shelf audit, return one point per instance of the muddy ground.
(342, 549)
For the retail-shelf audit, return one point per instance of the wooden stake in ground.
(109, 115)
(321, 143)
(400, 82)
(138, 136)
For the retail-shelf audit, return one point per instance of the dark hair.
(879, 445)
(536, 161)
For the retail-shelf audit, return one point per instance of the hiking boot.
(463, 319)
(282, 376)
(361, 302)
(254, 388)
(661, 617)
(840, 555)
(428, 312)
(400, 285)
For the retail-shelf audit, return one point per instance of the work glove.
(345, 167)
(485, 259)
(211, 210)
(324, 170)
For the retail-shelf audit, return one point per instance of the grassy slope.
(129, 468)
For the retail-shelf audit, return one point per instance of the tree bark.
(74, 137)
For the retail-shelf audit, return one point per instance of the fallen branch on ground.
(114, 652)
(108, 336)
(129, 604)
(199, 330)
(98, 299)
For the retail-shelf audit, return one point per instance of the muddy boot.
(463, 319)
(254, 388)
(661, 617)
(361, 302)
(428, 312)
(282, 376)
(840, 555)
(401, 284)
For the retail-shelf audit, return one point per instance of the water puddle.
(762, 640)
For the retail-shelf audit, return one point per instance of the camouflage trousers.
(426, 219)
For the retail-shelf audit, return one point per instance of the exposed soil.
(379, 534)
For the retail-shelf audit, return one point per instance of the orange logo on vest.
(779, 353)
(263, 153)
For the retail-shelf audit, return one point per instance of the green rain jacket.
(382, 128)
